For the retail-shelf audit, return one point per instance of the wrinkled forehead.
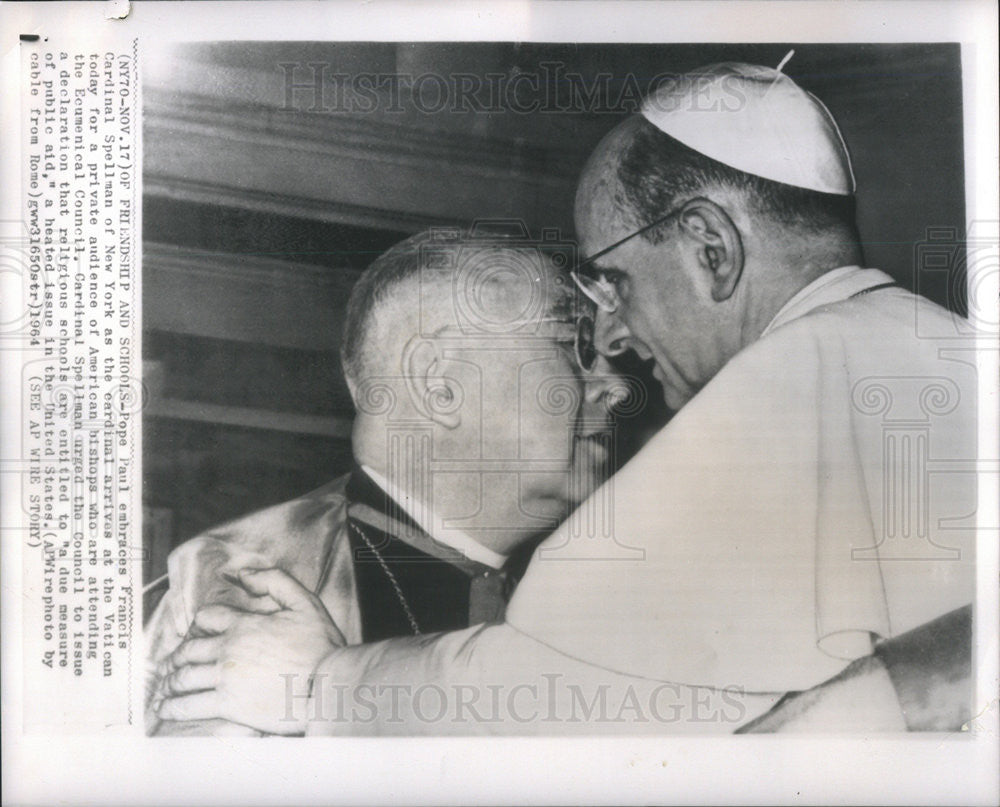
(500, 289)
(601, 214)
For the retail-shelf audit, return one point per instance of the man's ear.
(433, 394)
(720, 248)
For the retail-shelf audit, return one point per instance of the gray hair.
(407, 261)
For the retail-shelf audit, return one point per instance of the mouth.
(591, 465)
(593, 451)
(642, 351)
(592, 440)
(674, 396)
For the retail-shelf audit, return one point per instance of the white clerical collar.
(430, 523)
(832, 287)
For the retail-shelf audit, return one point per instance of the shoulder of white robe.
(710, 568)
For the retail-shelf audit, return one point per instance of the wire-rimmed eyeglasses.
(598, 289)
(584, 348)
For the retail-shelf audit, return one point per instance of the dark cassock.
(378, 572)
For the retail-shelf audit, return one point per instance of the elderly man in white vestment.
(804, 508)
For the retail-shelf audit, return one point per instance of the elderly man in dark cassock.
(482, 416)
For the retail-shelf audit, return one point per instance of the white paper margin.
(915, 770)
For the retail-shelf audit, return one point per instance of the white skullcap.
(757, 120)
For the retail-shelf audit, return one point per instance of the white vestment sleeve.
(496, 680)
(812, 499)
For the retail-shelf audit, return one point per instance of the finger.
(265, 606)
(192, 651)
(213, 619)
(281, 586)
(199, 706)
(191, 678)
(254, 604)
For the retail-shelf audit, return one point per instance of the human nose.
(610, 334)
(602, 382)
(603, 391)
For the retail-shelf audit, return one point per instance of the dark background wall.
(261, 206)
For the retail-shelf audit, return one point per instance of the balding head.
(732, 249)
(445, 279)
(645, 173)
(460, 355)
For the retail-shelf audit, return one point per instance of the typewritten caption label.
(81, 385)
